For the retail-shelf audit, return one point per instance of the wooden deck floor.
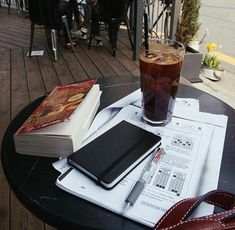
(22, 79)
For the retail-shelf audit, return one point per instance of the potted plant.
(187, 31)
(189, 21)
(211, 66)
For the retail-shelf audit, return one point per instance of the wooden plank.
(74, 66)
(34, 77)
(2, 49)
(12, 26)
(16, 20)
(131, 65)
(94, 54)
(5, 120)
(14, 23)
(48, 227)
(49, 75)
(21, 218)
(19, 92)
(8, 28)
(13, 41)
(123, 37)
(23, 33)
(22, 42)
(125, 49)
(87, 63)
(7, 45)
(8, 23)
(39, 35)
(114, 63)
(62, 70)
(123, 45)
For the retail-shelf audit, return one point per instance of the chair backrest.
(44, 12)
(113, 8)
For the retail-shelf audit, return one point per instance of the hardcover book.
(56, 128)
(111, 156)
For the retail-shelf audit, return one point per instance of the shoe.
(96, 41)
(69, 45)
(80, 34)
(83, 33)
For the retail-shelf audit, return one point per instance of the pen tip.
(126, 208)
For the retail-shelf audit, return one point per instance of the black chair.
(45, 13)
(8, 2)
(112, 13)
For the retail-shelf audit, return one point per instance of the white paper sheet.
(191, 144)
(36, 53)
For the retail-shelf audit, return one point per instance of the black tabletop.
(33, 178)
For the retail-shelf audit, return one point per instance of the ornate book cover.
(57, 106)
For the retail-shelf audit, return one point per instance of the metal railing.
(163, 17)
(163, 14)
(20, 5)
(8, 3)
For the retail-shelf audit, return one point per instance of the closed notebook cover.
(108, 158)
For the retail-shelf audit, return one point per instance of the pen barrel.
(135, 192)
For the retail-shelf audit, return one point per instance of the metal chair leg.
(65, 21)
(54, 42)
(18, 7)
(8, 6)
(92, 34)
(31, 38)
(48, 37)
(129, 32)
(113, 28)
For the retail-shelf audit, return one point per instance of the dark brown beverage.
(159, 82)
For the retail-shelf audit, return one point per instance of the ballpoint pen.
(145, 178)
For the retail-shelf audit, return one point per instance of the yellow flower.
(210, 47)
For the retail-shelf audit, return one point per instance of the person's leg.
(91, 5)
(86, 22)
(82, 33)
(64, 9)
(97, 40)
(77, 14)
(83, 25)
(87, 15)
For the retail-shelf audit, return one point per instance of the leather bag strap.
(177, 216)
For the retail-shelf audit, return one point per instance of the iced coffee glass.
(160, 65)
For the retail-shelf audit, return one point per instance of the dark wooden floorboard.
(21, 218)
(19, 85)
(87, 63)
(5, 114)
(23, 79)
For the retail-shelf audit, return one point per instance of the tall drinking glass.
(160, 66)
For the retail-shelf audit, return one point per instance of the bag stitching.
(194, 203)
(221, 205)
(193, 220)
(217, 214)
(197, 200)
(202, 219)
(172, 208)
(228, 213)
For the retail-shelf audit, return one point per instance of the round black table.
(32, 178)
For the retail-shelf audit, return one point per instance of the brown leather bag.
(177, 217)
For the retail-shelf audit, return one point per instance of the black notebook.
(112, 155)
